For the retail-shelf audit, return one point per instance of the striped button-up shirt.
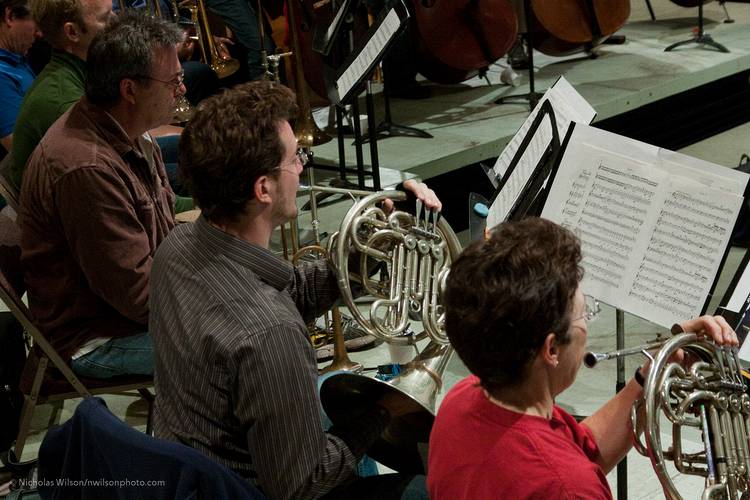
(235, 371)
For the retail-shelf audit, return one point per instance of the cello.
(458, 39)
(563, 27)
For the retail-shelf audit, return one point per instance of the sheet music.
(568, 106)
(653, 225)
(368, 54)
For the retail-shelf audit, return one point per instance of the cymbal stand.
(701, 38)
(532, 96)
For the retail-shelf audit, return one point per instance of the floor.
(592, 387)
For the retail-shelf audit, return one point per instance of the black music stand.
(345, 83)
(650, 10)
(537, 186)
(701, 38)
(387, 128)
(323, 42)
(532, 96)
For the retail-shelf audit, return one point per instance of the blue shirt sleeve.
(11, 95)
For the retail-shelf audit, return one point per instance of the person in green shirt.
(69, 26)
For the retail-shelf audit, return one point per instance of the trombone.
(204, 38)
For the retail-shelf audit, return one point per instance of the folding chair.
(7, 189)
(46, 376)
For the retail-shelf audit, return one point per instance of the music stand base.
(703, 39)
(388, 129)
(531, 97)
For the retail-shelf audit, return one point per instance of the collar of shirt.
(11, 57)
(111, 129)
(269, 267)
(67, 59)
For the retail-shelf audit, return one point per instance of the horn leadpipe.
(591, 358)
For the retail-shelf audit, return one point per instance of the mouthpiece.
(590, 359)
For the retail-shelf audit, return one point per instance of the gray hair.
(125, 49)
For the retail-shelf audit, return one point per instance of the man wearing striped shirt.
(235, 371)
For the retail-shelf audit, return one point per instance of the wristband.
(639, 377)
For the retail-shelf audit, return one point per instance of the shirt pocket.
(146, 213)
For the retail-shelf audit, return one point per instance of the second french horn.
(412, 257)
(416, 252)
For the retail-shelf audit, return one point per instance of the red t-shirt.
(479, 450)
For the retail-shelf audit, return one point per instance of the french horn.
(709, 395)
(414, 255)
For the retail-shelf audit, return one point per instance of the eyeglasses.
(301, 155)
(175, 83)
(591, 309)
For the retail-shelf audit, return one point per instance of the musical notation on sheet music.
(608, 207)
(652, 236)
(369, 53)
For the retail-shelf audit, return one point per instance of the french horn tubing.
(414, 253)
(417, 252)
(709, 395)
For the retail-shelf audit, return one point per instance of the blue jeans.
(133, 355)
(169, 145)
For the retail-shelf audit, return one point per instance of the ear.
(8, 15)
(72, 32)
(262, 189)
(550, 351)
(128, 90)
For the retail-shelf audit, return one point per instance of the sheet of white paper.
(568, 106)
(368, 54)
(653, 224)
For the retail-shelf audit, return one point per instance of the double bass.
(563, 27)
(458, 39)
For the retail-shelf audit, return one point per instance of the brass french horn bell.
(417, 252)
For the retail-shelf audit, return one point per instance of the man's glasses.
(175, 83)
(591, 309)
(301, 155)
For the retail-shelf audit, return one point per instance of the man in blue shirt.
(17, 34)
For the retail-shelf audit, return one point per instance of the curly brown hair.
(506, 294)
(231, 140)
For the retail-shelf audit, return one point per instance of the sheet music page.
(369, 53)
(568, 106)
(653, 234)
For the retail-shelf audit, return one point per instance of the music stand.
(387, 128)
(701, 38)
(532, 96)
(323, 41)
(344, 84)
(325, 36)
